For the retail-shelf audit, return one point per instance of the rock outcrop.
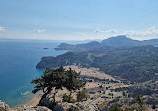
(59, 107)
(30, 108)
(78, 107)
(3, 106)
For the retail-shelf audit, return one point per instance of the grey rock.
(30, 108)
(3, 106)
(45, 102)
(41, 108)
(79, 107)
(58, 108)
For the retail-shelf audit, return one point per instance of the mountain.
(153, 42)
(118, 56)
(118, 41)
(78, 47)
(121, 40)
(131, 61)
(137, 64)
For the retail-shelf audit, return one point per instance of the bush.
(68, 98)
(73, 109)
(153, 107)
(83, 94)
(115, 107)
(65, 98)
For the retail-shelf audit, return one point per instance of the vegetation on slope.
(136, 64)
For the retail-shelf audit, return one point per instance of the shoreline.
(91, 72)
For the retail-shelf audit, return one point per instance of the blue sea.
(18, 59)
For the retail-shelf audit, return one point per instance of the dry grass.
(92, 72)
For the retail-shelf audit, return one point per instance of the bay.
(18, 60)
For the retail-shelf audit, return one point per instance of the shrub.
(68, 98)
(83, 94)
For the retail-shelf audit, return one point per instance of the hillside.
(103, 91)
(79, 47)
(120, 41)
(137, 64)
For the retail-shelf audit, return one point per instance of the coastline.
(35, 100)
(91, 72)
(19, 68)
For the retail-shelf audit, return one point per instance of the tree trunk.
(43, 96)
(46, 92)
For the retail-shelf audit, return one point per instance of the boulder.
(30, 108)
(45, 102)
(78, 107)
(58, 108)
(41, 108)
(3, 106)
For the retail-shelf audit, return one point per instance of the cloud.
(152, 31)
(39, 30)
(2, 29)
(106, 31)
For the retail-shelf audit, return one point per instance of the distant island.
(45, 48)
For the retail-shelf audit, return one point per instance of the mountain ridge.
(136, 63)
(117, 56)
(117, 41)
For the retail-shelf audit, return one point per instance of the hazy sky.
(78, 19)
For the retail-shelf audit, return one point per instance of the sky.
(78, 19)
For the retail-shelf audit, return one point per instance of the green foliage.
(137, 64)
(65, 98)
(82, 94)
(73, 83)
(123, 93)
(57, 78)
(130, 109)
(52, 78)
(68, 98)
(73, 109)
(153, 107)
(138, 100)
(115, 107)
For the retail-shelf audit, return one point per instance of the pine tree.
(57, 79)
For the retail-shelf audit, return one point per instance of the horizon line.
(73, 40)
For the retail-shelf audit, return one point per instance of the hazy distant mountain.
(78, 47)
(118, 56)
(121, 40)
(118, 41)
(153, 42)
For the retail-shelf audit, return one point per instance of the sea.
(18, 60)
